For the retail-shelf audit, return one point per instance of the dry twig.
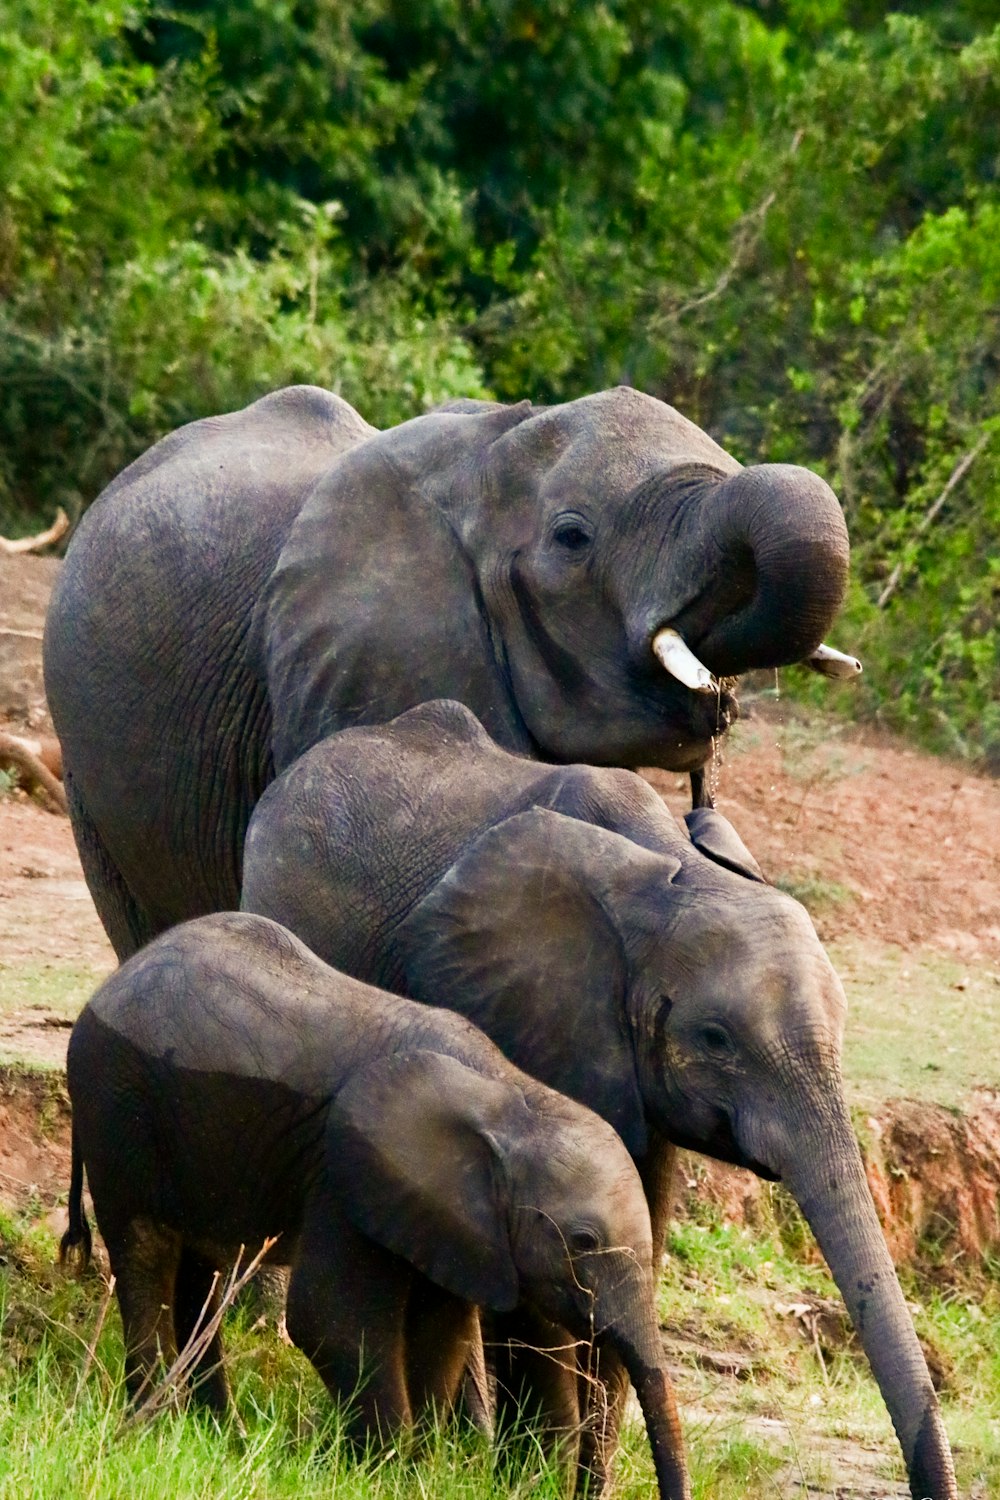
(109, 1291)
(166, 1392)
(58, 529)
(955, 478)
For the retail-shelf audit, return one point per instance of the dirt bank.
(25, 585)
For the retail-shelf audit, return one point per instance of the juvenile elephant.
(228, 1086)
(261, 579)
(656, 979)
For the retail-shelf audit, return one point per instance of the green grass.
(64, 1431)
(919, 1024)
(64, 988)
(816, 894)
(736, 1289)
(789, 1424)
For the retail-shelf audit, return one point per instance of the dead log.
(29, 757)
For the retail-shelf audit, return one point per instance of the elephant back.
(149, 668)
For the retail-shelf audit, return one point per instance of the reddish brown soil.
(46, 914)
(25, 585)
(34, 1138)
(913, 839)
(935, 1177)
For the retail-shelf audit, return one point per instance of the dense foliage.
(783, 217)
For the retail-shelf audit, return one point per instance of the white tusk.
(833, 663)
(681, 662)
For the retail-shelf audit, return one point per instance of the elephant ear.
(414, 1153)
(519, 936)
(716, 838)
(372, 605)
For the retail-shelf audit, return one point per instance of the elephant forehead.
(759, 944)
(591, 1179)
(610, 443)
(577, 1147)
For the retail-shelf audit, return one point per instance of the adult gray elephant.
(228, 1087)
(658, 980)
(258, 580)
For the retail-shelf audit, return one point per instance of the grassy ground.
(919, 1023)
(38, 1003)
(775, 1398)
(63, 988)
(804, 1406)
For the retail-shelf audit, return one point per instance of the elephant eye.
(717, 1041)
(572, 534)
(584, 1238)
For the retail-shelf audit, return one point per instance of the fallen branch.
(59, 528)
(23, 754)
(165, 1393)
(109, 1291)
(955, 478)
(745, 236)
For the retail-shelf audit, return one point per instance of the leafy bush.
(780, 217)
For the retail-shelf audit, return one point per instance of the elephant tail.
(76, 1243)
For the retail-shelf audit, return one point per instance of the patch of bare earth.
(34, 1138)
(25, 585)
(912, 840)
(47, 921)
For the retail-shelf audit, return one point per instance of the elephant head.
(501, 1191)
(683, 994)
(260, 580)
(579, 576)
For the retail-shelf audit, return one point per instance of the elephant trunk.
(635, 1338)
(831, 1189)
(775, 536)
(659, 1408)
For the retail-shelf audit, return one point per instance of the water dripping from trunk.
(723, 719)
(715, 769)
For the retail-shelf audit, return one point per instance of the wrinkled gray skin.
(259, 580)
(657, 980)
(228, 1086)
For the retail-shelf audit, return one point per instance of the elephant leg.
(195, 1302)
(477, 1399)
(124, 922)
(346, 1311)
(603, 1392)
(537, 1368)
(656, 1171)
(144, 1261)
(442, 1338)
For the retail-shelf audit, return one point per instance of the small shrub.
(816, 895)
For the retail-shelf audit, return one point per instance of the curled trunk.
(774, 537)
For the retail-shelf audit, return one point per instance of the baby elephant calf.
(228, 1086)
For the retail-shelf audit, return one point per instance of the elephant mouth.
(699, 717)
